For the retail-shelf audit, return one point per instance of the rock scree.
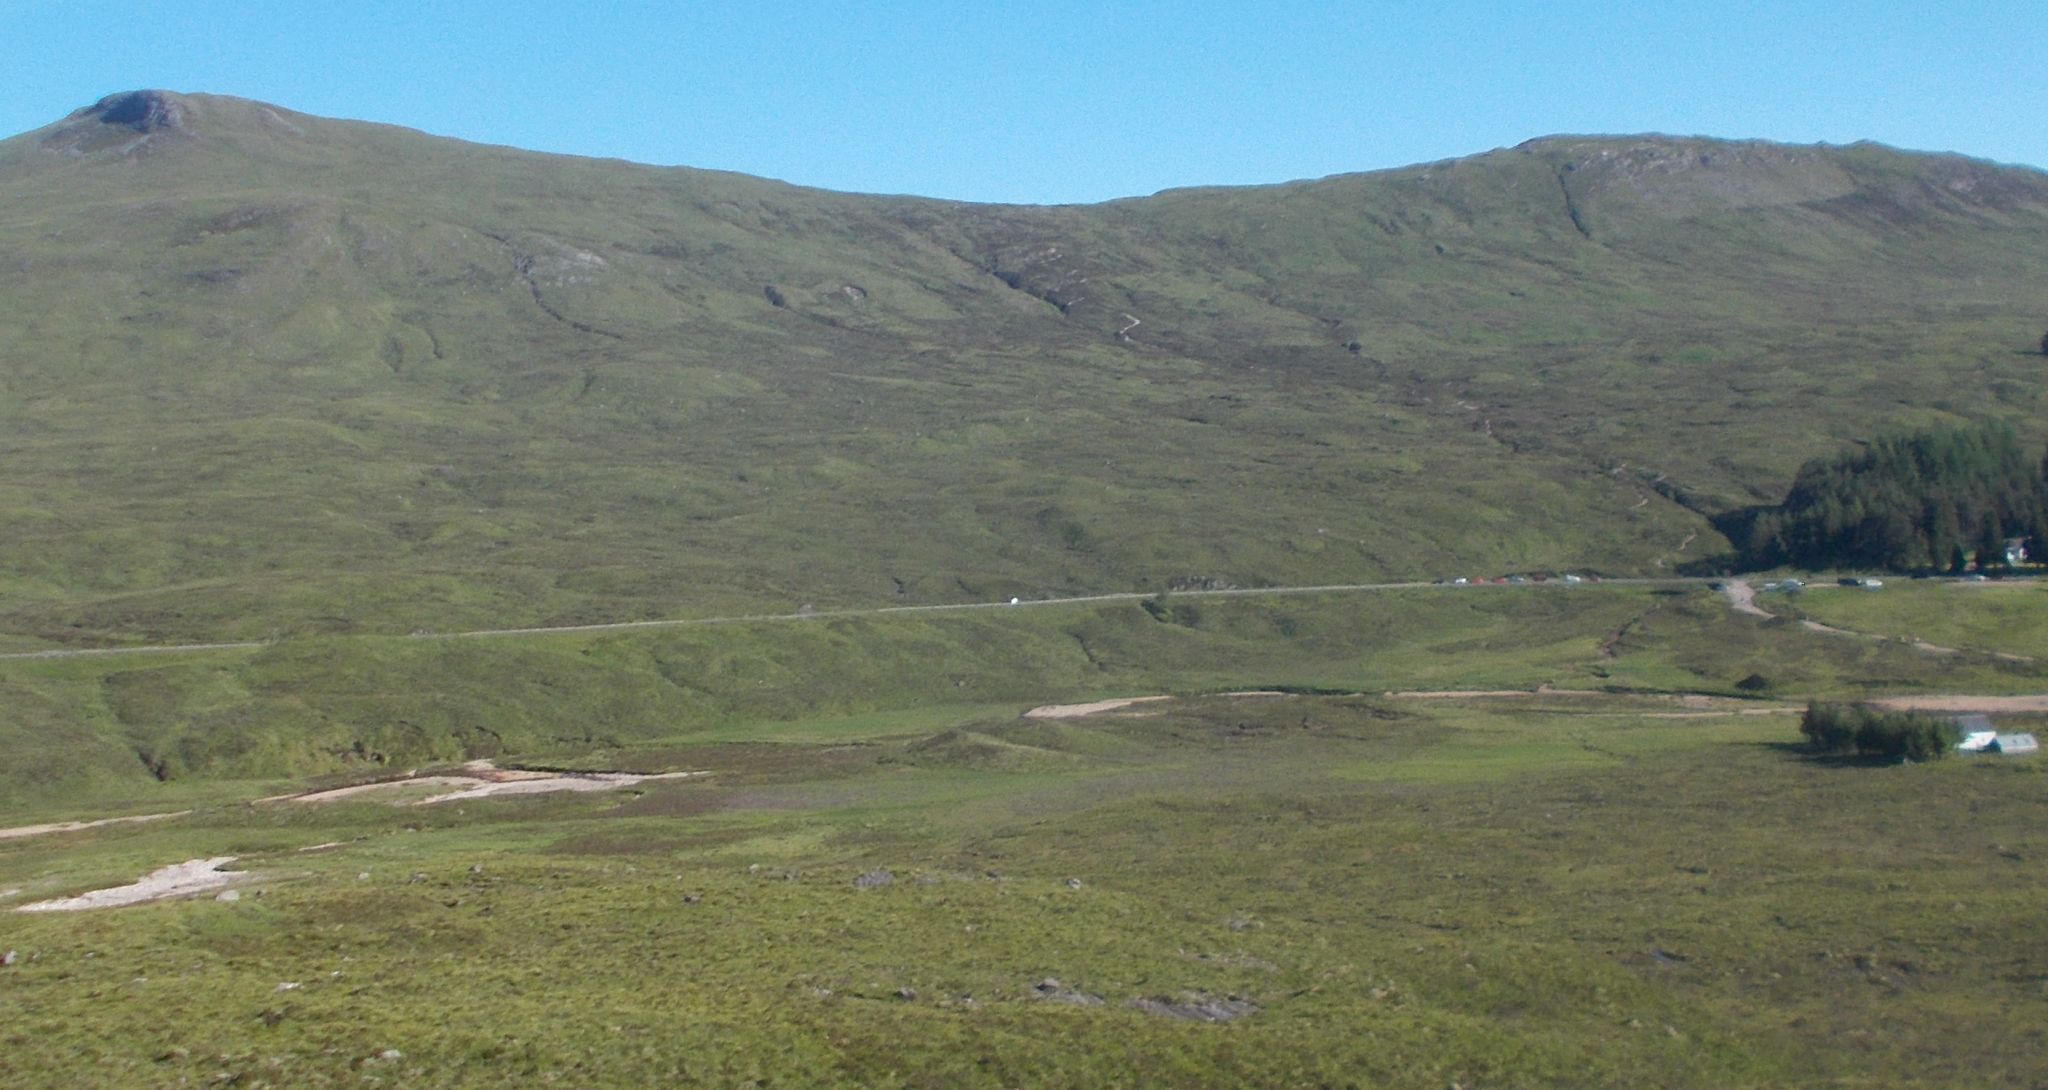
(142, 111)
(1196, 1007)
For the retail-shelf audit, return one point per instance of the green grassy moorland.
(1569, 890)
(2008, 616)
(84, 732)
(1597, 885)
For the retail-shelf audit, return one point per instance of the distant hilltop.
(269, 372)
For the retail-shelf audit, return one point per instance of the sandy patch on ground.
(1990, 705)
(1721, 706)
(1467, 694)
(1076, 711)
(1742, 597)
(410, 784)
(593, 781)
(71, 826)
(176, 880)
(1456, 694)
(482, 779)
(1725, 713)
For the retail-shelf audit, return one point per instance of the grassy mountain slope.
(265, 373)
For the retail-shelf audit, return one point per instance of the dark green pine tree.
(1941, 530)
(1907, 502)
(2037, 539)
(1990, 542)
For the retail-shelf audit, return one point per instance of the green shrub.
(1843, 729)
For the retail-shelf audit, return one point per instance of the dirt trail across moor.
(20, 831)
(813, 616)
(1742, 598)
(1957, 702)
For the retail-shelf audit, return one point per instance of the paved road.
(877, 611)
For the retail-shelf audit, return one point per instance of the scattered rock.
(364, 876)
(1051, 989)
(1195, 1007)
(390, 1055)
(906, 993)
(476, 868)
(290, 986)
(692, 898)
(228, 896)
(1236, 960)
(874, 879)
(1073, 883)
(9, 958)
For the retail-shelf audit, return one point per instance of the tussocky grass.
(1558, 891)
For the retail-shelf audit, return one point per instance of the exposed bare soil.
(481, 779)
(1077, 711)
(1742, 598)
(176, 880)
(20, 831)
(1990, 705)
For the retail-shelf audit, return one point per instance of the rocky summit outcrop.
(141, 111)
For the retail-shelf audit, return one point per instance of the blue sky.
(1056, 101)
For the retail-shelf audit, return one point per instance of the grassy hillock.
(143, 731)
(268, 374)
